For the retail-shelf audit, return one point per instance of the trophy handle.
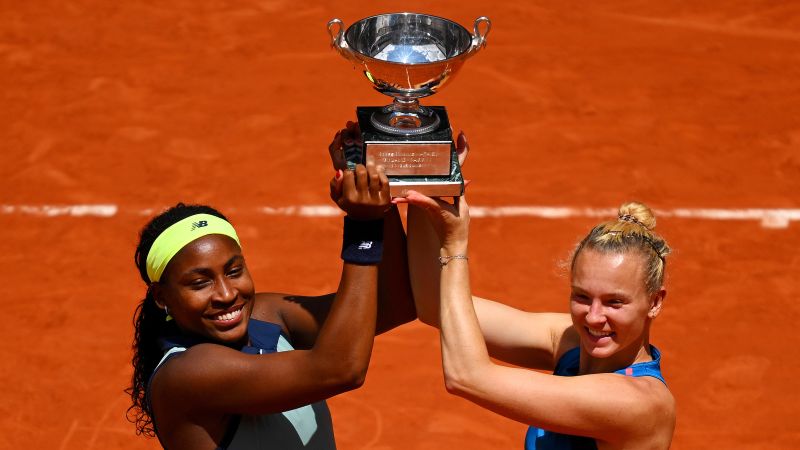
(479, 38)
(337, 40)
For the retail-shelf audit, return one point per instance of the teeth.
(598, 333)
(228, 316)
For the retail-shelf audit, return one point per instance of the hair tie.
(631, 219)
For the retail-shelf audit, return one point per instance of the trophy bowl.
(407, 56)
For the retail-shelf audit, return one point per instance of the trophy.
(408, 56)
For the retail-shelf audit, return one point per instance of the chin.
(600, 351)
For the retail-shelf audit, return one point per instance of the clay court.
(114, 110)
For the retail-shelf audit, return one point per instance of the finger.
(374, 178)
(357, 133)
(336, 184)
(423, 201)
(348, 183)
(385, 194)
(335, 143)
(462, 148)
(463, 208)
(349, 134)
(361, 178)
(384, 178)
(336, 151)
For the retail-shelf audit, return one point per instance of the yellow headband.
(181, 233)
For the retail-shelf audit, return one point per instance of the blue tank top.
(308, 427)
(568, 366)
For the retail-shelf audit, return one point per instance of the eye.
(235, 271)
(198, 283)
(580, 298)
(616, 303)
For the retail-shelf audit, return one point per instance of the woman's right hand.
(451, 221)
(362, 193)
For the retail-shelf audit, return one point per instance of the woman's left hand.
(345, 140)
(450, 220)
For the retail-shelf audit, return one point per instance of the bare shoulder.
(268, 307)
(652, 388)
(178, 377)
(655, 402)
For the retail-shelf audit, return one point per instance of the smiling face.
(610, 306)
(208, 289)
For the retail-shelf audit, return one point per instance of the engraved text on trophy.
(417, 158)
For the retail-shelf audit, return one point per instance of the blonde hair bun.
(640, 212)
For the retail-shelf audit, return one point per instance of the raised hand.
(344, 141)
(364, 192)
(451, 221)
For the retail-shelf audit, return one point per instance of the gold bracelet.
(443, 260)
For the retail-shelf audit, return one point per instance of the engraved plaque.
(417, 158)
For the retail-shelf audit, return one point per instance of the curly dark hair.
(149, 321)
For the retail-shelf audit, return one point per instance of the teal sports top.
(568, 365)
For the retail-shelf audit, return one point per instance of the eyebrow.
(202, 270)
(617, 294)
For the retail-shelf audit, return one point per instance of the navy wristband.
(363, 241)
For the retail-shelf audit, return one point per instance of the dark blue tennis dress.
(568, 365)
(306, 428)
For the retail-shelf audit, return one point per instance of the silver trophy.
(409, 56)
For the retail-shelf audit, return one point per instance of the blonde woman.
(609, 392)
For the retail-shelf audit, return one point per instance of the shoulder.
(194, 361)
(269, 307)
(178, 378)
(652, 400)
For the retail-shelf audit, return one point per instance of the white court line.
(768, 217)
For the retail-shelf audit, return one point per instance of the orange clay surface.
(679, 104)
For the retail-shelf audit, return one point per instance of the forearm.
(423, 249)
(464, 353)
(395, 301)
(344, 343)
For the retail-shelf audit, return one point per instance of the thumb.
(336, 185)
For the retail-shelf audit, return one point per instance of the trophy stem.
(405, 117)
(406, 104)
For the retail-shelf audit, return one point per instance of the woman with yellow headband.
(608, 392)
(219, 366)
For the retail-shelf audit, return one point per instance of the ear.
(158, 295)
(656, 302)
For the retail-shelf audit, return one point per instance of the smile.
(599, 334)
(229, 316)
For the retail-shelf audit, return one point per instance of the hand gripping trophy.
(409, 56)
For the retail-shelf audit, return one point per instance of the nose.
(225, 292)
(596, 314)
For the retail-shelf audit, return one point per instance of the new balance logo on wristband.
(365, 245)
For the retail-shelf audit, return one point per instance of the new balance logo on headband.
(200, 224)
(365, 245)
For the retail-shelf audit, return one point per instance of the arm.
(304, 316)
(395, 302)
(232, 382)
(526, 339)
(605, 406)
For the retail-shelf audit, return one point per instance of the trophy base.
(426, 162)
